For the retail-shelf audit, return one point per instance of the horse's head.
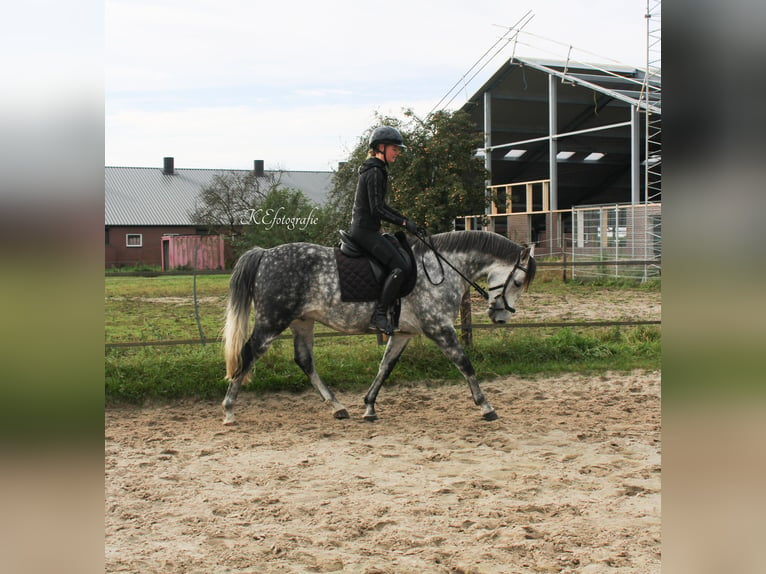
(506, 282)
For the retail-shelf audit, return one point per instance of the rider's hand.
(411, 226)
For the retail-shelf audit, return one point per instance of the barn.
(147, 213)
(573, 153)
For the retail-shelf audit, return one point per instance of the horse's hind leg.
(303, 342)
(446, 339)
(251, 352)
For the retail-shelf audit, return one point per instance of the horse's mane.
(480, 241)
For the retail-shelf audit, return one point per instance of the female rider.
(370, 209)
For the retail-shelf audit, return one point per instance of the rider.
(370, 209)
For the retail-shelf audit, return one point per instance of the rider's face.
(389, 151)
(392, 152)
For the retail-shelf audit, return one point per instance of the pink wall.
(179, 251)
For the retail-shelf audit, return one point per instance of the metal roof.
(147, 196)
(593, 111)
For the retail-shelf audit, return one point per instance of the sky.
(220, 83)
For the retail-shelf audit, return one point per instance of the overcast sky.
(220, 83)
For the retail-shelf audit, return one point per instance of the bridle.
(479, 289)
(504, 286)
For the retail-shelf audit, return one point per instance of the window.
(133, 240)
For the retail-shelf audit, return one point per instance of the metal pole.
(563, 135)
(635, 157)
(553, 145)
(487, 151)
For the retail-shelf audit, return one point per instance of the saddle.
(362, 276)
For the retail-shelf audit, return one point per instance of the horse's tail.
(241, 291)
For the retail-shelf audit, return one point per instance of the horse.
(294, 285)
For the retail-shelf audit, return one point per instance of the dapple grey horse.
(295, 284)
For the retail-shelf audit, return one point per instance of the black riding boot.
(380, 320)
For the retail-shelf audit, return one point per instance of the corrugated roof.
(147, 196)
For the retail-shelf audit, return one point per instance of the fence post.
(564, 267)
(466, 329)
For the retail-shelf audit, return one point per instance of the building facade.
(146, 206)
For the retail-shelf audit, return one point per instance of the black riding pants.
(381, 249)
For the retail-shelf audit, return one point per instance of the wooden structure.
(192, 252)
(520, 211)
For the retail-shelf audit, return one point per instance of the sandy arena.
(567, 480)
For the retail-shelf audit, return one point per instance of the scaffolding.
(652, 92)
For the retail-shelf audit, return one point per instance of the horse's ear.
(527, 252)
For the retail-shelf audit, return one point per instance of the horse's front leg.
(447, 340)
(303, 343)
(396, 345)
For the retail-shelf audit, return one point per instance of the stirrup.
(382, 323)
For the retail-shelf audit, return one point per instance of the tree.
(439, 177)
(230, 194)
(283, 216)
(436, 180)
(224, 205)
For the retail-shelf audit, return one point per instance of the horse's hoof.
(341, 414)
(229, 423)
(370, 418)
(490, 416)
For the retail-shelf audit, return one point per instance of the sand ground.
(567, 480)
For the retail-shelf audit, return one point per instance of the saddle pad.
(357, 283)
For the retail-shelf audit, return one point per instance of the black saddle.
(361, 275)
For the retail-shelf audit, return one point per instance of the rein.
(479, 289)
(441, 258)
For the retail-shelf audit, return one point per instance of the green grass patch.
(166, 286)
(350, 363)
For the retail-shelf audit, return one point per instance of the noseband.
(504, 286)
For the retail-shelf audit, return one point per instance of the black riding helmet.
(386, 135)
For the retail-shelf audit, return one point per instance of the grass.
(141, 309)
(161, 308)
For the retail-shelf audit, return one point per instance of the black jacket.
(370, 200)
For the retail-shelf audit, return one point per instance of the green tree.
(225, 202)
(436, 180)
(439, 177)
(283, 216)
